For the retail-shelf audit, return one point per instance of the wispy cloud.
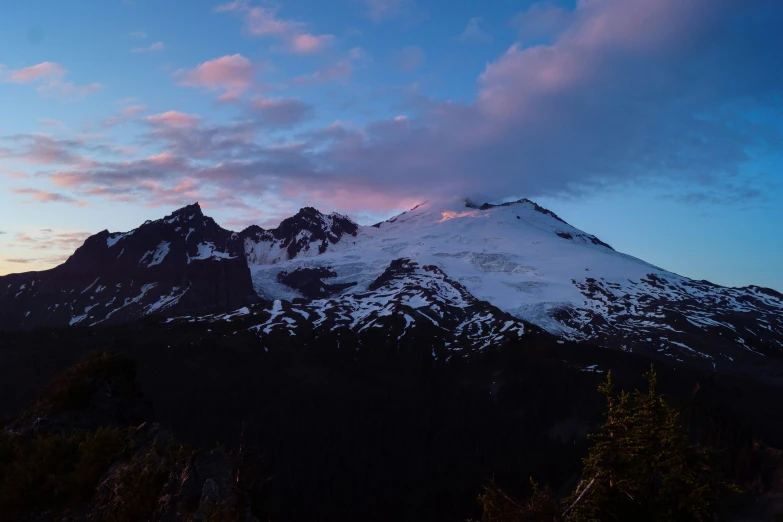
(140, 34)
(49, 77)
(124, 115)
(45, 71)
(626, 92)
(263, 22)
(409, 58)
(379, 10)
(44, 247)
(13, 174)
(154, 48)
(474, 33)
(339, 71)
(280, 112)
(51, 123)
(43, 196)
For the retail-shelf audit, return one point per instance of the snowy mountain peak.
(306, 234)
(517, 256)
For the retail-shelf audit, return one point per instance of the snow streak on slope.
(403, 302)
(530, 263)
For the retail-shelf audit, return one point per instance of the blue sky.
(654, 124)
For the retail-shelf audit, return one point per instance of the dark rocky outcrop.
(182, 264)
(309, 282)
(307, 229)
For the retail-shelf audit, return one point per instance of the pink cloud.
(162, 159)
(232, 74)
(263, 22)
(43, 149)
(306, 43)
(42, 71)
(43, 196)
(612, 99)
(14, 174)
(174, 119)
(49, 77)
(260, 21)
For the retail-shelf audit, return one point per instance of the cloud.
(43, 149)
(14, 174)
(43, 196)
(68, 91)
(124, 115)
(379, 10)
(263, 22)
(49, 77)
(51, 123)
(2, 233)
(280, 112)
(154, 48)
(338, 71)
(630, 92)
(474, 33)
(306, 43)
(409, 58)
(47, 246)
(43, 71)
(174, 119)
(231, 74)
(140, 34)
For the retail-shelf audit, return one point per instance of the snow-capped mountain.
(444, 263)
(405, 305)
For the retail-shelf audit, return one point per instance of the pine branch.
(580, 496)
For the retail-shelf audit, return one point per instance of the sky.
(653, 124)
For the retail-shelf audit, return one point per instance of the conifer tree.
(642, 467)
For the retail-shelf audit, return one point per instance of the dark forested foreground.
(175, 422)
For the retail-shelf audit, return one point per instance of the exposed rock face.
(308, 233)
(407, 305)
(520, 257)
(698, 321)
(183, 263)
(309, 282)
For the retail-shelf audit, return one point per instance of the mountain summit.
(522, 260)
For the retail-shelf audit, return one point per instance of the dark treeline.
(347, 431)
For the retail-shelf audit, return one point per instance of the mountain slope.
(407, 305)
(523, 260)
(183, 263)
(533, 265)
